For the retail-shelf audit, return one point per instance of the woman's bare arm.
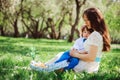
(89, 57)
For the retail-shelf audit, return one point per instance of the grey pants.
(50, 67)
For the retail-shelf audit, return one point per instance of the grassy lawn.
(15, 58)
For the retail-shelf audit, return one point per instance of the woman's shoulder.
(95, 38)
(96, 34)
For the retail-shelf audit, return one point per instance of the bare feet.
(40, 64)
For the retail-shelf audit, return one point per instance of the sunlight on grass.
(15, 52)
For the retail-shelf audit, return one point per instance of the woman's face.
(87, 22)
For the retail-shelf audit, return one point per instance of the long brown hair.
(98, 24)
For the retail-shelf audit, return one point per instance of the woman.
(78, 45)
(97, 42)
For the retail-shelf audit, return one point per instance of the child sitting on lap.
(78, 45)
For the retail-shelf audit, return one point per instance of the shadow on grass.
(14, 49)
(22, 45)
(116, 50)
(6, 40)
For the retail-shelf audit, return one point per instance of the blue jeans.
(72, 60)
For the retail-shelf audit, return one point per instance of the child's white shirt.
(79, 44)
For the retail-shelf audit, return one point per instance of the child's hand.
(74, 53)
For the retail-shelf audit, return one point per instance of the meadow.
(15, 57)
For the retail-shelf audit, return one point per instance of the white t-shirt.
(94, 39)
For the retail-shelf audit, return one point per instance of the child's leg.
(73, 62)
(65, 56)
(50, 67)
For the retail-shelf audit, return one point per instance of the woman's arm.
(89, 57)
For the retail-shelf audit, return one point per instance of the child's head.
(85, 32)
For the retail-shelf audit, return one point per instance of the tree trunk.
(50, 23)
(59, 27)
(2, 31)
(36, 32)
(78, 6)
(72, 33)
(16, 32)
(77, 32)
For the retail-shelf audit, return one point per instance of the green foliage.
(32, 52)
(32, 11)
(15, 59)
(112, 15)
(1, 19)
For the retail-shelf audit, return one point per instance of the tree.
(10, 14)
(78, 6)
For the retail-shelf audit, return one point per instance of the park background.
(39, 29)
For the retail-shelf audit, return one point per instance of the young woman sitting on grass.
(79, 46)
(96, 42)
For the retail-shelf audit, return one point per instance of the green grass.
(15, 58)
